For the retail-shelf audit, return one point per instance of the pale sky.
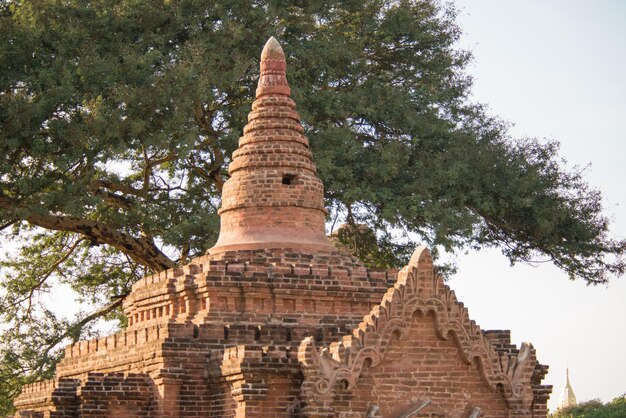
(555, 69)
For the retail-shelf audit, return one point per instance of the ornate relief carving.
(414, 409)
(417, 289)
(475, 412)
(374, 412)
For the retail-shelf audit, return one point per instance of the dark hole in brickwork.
(289, 178)
(196, 331)
(344, 384)
(257, 333)
(295, 409)
(226, 330)
(288, 334)
(319, 335)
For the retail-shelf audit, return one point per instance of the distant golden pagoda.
(567, 396)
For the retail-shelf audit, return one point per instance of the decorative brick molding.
(418, 289)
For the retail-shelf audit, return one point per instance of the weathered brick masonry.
(275, 322)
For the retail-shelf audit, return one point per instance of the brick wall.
(419, 368)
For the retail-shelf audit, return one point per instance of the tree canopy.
(118, 119)
(594, 409)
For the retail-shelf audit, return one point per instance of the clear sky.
(556, 69)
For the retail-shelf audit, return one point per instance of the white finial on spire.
(272, 50)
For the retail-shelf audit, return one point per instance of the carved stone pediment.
(418, 289)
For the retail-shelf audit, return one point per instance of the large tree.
(117, 120)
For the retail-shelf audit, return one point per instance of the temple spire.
(567, 396)
(273, 198)
(273, 78)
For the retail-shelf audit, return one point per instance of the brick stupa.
(273, 197)
(275, 322)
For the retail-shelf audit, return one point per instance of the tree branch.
(8, 224)
(162, 160)
(114, 200)
(46, 275)
(214, 172)
(117, 187)
(141, 250)
(74, 330)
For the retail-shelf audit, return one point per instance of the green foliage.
(378, 252)
(594, 409)
(117, 120)
(32, 335)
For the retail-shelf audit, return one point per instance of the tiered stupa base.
(242, 334)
